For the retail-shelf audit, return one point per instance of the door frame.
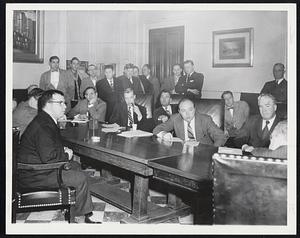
(162, 24)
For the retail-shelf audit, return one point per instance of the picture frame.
(233, 48)
(28, 36)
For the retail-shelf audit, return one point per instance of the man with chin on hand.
(190, 125)
(41, 143)
(91, 105)
(127, 113)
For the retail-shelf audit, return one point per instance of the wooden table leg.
(139, 205)
(174, 201)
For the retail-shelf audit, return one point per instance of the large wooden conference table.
(146, 157)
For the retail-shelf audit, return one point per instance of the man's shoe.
(88, 220)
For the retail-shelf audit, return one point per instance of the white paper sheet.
(227, 150)
(137, 133)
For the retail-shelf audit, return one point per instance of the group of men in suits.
(107, 100)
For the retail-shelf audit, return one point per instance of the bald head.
(187, 109)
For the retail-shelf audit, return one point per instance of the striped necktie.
(190, 132)
(130, 119)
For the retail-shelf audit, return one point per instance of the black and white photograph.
(150, 119)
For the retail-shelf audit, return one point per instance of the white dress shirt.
(185, 124)
(169, 108)
(111, 82)
(54, 78)
(271, 121)
(94, 80)
(279, 81)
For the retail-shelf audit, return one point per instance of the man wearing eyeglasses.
(41, 143)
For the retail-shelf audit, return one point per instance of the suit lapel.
(198, 128)
(180, 128)
(259, 127)
(274, 124)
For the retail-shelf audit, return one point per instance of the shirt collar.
(279, 80)
(270, 121)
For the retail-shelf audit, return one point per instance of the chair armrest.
(40, 166)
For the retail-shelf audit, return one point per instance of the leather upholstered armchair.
(145, 100)
(24, 200)
(211, 107)
(249, 190)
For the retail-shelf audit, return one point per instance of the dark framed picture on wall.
(28, 36)
(233, 48)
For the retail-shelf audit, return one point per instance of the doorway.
(166, 48)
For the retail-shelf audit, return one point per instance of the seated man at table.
(41, 143)
(278, 143)
(235, 114)
(257, 129)
(90, 106)
(26, 111)
(126, 113)
(190, 124)
(163, 113)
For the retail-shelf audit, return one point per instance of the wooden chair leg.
(14, 212)
(71, 214)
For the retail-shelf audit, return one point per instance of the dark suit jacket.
(161, 111)
(279, 91)
(280, 152)
(136, 85)
(120, 115)
(147, 85)
(109, 96)
(207, 132)
(251, 133)
(41, 143)
(195, 82)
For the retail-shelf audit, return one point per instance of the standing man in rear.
(56, 78)
(190, 85)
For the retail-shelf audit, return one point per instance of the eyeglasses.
(59, 102)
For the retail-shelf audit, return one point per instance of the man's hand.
(165, 135)
(163, 118)
(92, 102)
(194, 91)
(138, 112)
(69, 151)
(247, 148)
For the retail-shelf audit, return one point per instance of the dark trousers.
(78, 179)
(73, 178)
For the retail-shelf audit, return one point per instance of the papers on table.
(227, 150)
(112, 128)
(77, 120)
(137, 133)
(176, 139)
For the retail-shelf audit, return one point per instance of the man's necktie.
(265, 131)
(187, 78)
(130, 119)
(111, 83)
(190, 132)
(76, 90)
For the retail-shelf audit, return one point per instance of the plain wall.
(122, 36)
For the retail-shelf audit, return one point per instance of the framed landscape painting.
(28, 36)
(233, 48)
